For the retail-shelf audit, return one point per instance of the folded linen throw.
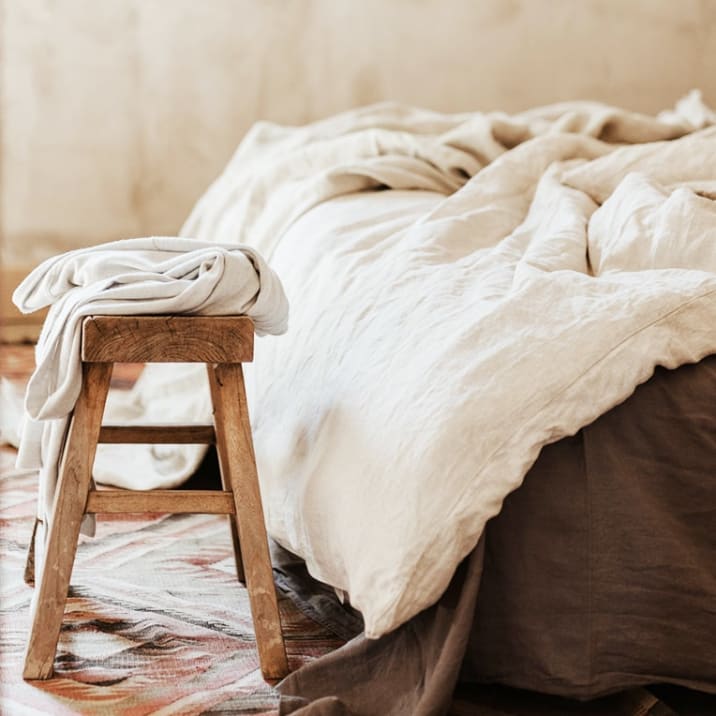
(156, 275)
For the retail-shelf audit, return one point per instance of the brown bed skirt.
(600, 571)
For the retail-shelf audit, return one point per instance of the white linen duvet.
(519, 277)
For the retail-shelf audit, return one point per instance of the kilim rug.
(156, 622)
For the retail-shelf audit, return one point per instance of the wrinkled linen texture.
(431, 357)
(527, 285)
(158, 275)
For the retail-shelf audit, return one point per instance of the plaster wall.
(117, 114)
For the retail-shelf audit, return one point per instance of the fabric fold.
(412, 670)
(156, 275)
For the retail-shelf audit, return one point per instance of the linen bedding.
(513, 279)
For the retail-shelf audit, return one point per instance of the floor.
(156, 621)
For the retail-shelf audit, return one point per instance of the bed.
(597, 577)
(446, 434)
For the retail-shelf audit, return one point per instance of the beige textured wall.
(116, 114)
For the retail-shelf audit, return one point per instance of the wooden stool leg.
(223, 469)
(67, 511)
(237, 446)
(29, 575)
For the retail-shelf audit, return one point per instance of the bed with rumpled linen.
(490, 427)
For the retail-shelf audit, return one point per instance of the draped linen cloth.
(169, 275)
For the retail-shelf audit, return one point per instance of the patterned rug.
(156, 622)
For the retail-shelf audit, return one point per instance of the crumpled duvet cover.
(521, 276)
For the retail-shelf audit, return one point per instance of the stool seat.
(223, 343)
(168, 339)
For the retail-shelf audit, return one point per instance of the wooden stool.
(223, 343)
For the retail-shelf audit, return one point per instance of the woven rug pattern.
(155, 623)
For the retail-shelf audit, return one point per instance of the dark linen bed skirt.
(598, 575)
